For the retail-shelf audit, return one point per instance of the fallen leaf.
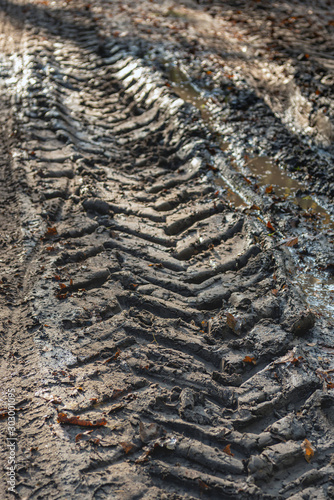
(274, 292)
(270, 226)
(203, 486)
(127, 447)
(227, 450)
(269, 189)
(231, 321)
(291, 242)
(64, 419)
(308, 450)
(51, 231)
(249, 359)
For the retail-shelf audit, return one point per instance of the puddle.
(188, 91)
(317, 285)
(229, 194)
(269, 174)
(319, 291)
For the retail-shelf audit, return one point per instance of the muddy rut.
(156, 342)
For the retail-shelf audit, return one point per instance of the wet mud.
(166, 287)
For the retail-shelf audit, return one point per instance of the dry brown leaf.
(203, 486)
(291, 242)
(249, 359)
(308, 450)
(127, 446)
(231, 321)
(227, 450)
(78, 437)
(51, 231)
(3, 414)
(64, 419)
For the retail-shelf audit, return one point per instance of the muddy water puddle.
(318, 285)
(188, 91)
(228, 193)
(279, 183)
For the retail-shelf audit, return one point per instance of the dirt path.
(153, 334)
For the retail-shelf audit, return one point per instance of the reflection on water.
(268, 173)
(231, 195)
(319, 289)
(318, 286)
(188, 91)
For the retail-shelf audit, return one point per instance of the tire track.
(143, 314)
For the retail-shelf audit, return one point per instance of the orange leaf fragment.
(269, 189)
(249, 359)
(127, 447)
(64, 419)
(309, 452)
(270, 226)
(51, 231)
(274, 292)
(62, 286)
(291, 242)
(231, 321)
(71, 282)
(203, 486)
(227, 450)
(78, 437)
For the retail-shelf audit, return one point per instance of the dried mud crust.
(159, 348)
